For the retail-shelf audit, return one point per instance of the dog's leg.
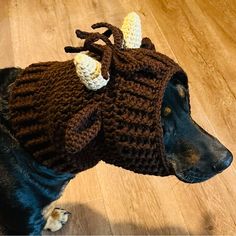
(55, 217)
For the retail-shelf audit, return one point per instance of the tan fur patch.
(47, 211)
(167, 111)
(181, 90)
(56, 220)
(55, 215)
(193, 158)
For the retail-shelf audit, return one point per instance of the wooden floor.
(200, 35)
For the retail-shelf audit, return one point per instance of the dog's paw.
(57, 219)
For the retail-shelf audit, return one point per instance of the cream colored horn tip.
(131, 30)
(133, 14)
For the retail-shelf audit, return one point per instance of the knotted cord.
(124, 60)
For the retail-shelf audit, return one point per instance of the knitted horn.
(89, 72)
(131, 30)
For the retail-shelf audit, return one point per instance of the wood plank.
(200, 35)
(198, 51)
(6, 52)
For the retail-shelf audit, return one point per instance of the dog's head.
(131, 124)
(194, 154)
(117, 117)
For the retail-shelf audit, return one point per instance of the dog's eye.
(167, 111)
(180, 90)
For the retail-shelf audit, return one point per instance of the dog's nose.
(224, 162)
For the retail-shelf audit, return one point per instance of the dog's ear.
(147, 43)
(82, 128)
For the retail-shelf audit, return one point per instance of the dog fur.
(28, 189)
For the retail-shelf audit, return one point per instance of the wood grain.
(6, 52)
(200, 35)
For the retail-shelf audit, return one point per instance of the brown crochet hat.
(70, 115)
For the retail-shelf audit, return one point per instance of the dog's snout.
(223, 162)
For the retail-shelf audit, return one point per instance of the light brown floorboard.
(6, 47)
(200, 35)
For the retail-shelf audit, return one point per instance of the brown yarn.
(75, 137)
(69, 128)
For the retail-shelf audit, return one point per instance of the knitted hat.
(70, 115)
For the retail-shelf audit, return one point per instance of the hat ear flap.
(147, 43)
(82, 128)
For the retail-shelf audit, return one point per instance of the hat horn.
(131, 30)
(89, 72)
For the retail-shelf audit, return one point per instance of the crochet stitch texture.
(67, 127)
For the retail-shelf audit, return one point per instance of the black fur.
(27, 187)
(195, 155)
(7, 77)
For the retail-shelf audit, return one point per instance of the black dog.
(195, 155)
(27, 188)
